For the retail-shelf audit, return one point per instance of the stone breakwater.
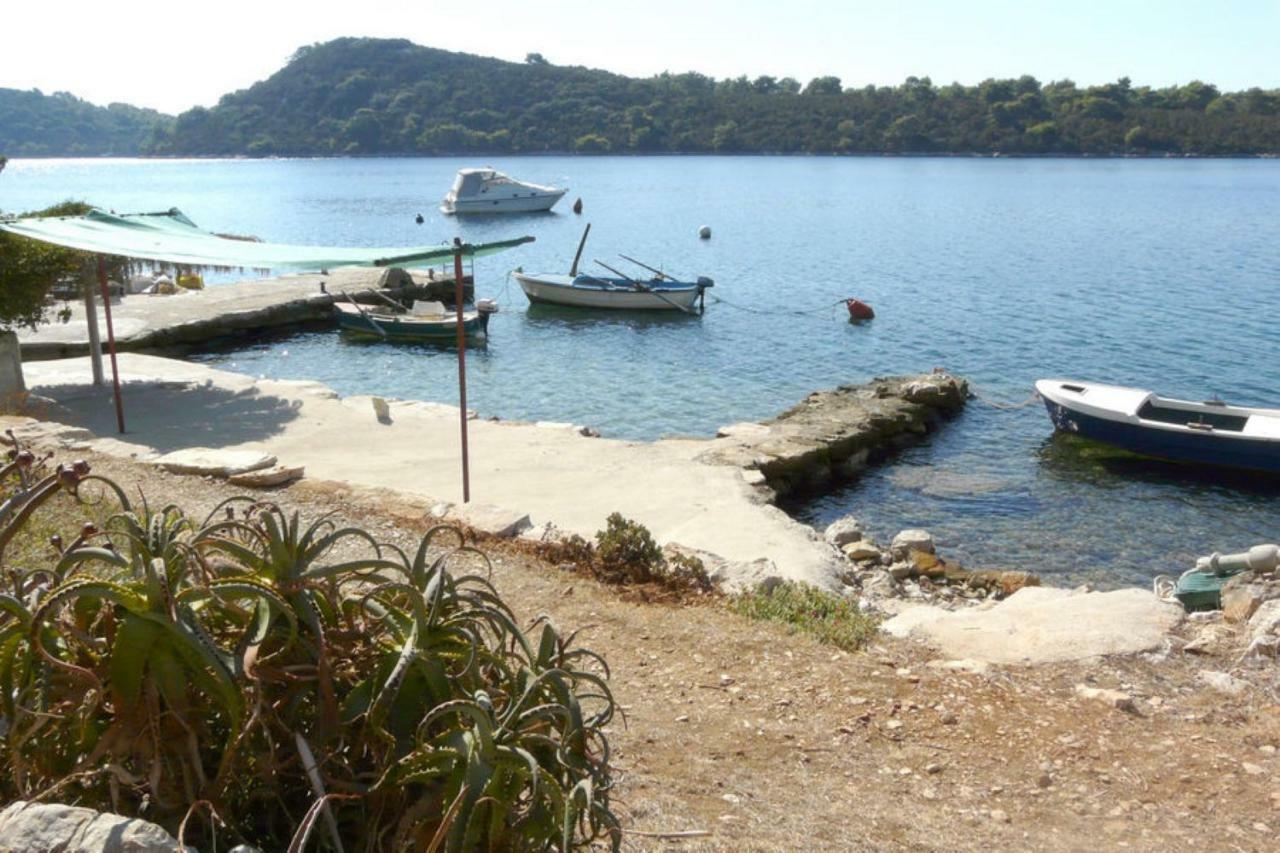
(832, 436)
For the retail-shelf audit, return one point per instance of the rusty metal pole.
(462, 366)
(111, 339)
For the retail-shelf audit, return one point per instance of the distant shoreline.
(491, 155)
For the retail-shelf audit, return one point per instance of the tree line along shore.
(380, 97)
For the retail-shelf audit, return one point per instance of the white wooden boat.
(591, 291)
(1211, 433)
(490, 191)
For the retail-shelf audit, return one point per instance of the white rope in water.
(828, 310)
(1007, 407)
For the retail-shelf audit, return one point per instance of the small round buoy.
(577, 206)
(705, 232)
(858, 310)
(418, 219)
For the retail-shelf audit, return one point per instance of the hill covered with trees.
(33, 124)
(356, 97)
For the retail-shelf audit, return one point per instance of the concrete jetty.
(144, 321)
(708, 495)
(832, 436)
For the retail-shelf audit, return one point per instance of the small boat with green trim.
(423, 321)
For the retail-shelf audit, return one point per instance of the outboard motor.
(486, 306)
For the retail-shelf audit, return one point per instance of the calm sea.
(1159, 274)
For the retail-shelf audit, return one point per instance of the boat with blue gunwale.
(1210, 433)
(423, 321)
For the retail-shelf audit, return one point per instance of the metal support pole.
(95, 339)
(111, 340)
(462, 367)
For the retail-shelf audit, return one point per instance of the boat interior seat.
(428, 308)
(1151, 411)
(1262, 426)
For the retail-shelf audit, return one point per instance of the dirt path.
(767, 741)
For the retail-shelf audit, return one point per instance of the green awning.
(171, 238)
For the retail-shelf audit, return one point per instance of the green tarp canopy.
(170, 237)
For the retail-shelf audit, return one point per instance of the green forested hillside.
(33, 124)
(378, 96)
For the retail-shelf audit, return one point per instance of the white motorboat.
(490, 191)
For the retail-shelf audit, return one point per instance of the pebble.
(933, 768)
(726, 679)
(1252, 769)
(999, 816)
(683, 718)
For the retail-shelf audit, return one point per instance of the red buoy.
(859, 310)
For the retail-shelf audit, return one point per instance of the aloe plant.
(313, 684)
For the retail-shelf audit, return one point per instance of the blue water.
(1156, 273)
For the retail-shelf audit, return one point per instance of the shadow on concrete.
(171, 416)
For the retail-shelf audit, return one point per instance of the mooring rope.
(810, 313)
(1006, 407)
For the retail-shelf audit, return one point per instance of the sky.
(173, 55)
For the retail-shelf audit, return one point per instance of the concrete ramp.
(1044, 625)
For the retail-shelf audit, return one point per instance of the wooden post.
(462, 366)
(111, 341)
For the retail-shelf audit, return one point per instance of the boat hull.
(475, 327)
(526, 204)
(1195, 448)
(542, 291)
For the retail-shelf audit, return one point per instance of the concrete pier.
(144, 321)
(710, 495)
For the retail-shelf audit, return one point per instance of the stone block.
(494, 520)
(276, 475)
(208, 461)
(861, 550)
(843, 531)
(52, 826)
(911, 540)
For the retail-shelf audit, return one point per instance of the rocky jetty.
(832, 436)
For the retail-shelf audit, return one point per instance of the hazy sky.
(174, 55)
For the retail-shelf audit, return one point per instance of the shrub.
(303, 679)
(829, 618)
(626, 552)
(626, 555)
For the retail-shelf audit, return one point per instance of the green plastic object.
(1202, 590)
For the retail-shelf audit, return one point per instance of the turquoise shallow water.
(1160, 274)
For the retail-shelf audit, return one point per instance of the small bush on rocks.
(830, 618)
(626, 555)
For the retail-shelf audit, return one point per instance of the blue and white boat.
(1210, 433)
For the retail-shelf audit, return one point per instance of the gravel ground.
(740, 736)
